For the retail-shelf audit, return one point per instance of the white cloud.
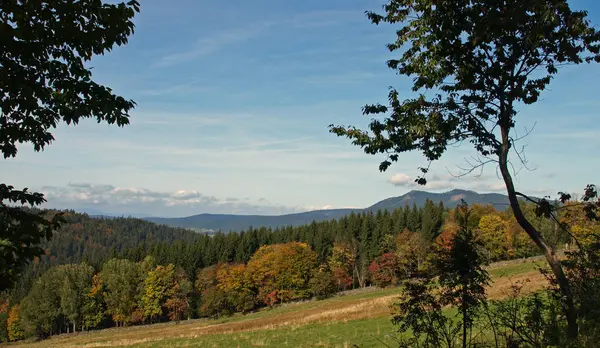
(402, 179)
(317, 207)
(489, 187)
(133, 200)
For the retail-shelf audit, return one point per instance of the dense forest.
(99, 273)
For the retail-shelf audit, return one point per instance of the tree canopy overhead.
(43, 77)
(481, 58)
(473, 62)
(44, 46)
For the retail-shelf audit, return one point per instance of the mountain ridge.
(233, 222)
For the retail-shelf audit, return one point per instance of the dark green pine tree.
(442, 213)
(388, 223)
(365, 246)
(376, 236)
(414, 219)
(354, 226)
(430, 224)
(398, 221)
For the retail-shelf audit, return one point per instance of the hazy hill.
(227, 222)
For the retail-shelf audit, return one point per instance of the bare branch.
(521, 155)
(527, 132)
(478, 163)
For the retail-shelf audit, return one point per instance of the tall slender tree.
(473, 63)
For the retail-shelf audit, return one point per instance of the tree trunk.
(555, 265)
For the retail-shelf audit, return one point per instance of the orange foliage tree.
(236, 283)
(282, 270)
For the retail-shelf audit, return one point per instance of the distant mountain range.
(227, 222)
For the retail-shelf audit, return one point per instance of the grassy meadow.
(358, 318)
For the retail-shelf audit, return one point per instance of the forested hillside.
(229, 222)
(95, 240)
(131, 255)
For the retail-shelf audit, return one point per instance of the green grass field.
(356, 319)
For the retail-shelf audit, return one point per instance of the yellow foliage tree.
(281, 272)
(492, 231)
(15, 331)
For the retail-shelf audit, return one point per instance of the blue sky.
(234, 99)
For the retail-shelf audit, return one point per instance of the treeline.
(204, 276)
(366, 236)
(73, 297)
(94, 241)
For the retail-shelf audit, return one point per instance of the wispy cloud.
(232, 36)
(211, 44)
(263, 144)
(187, 88)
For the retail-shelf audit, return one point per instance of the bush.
(525, 321)
(14, 328)
(322, 284)
(215, 304)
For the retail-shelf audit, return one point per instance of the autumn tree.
(236, 283)
(472, 64)
(213, 302)
(206, 278)
(492, 231)
(180, 293)
(94, 306)
(282, 269)
(44, 50)
(583, 231)
(411, 252)
(15, 331)
(384, 270)
(342, 263)
(157, 288)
